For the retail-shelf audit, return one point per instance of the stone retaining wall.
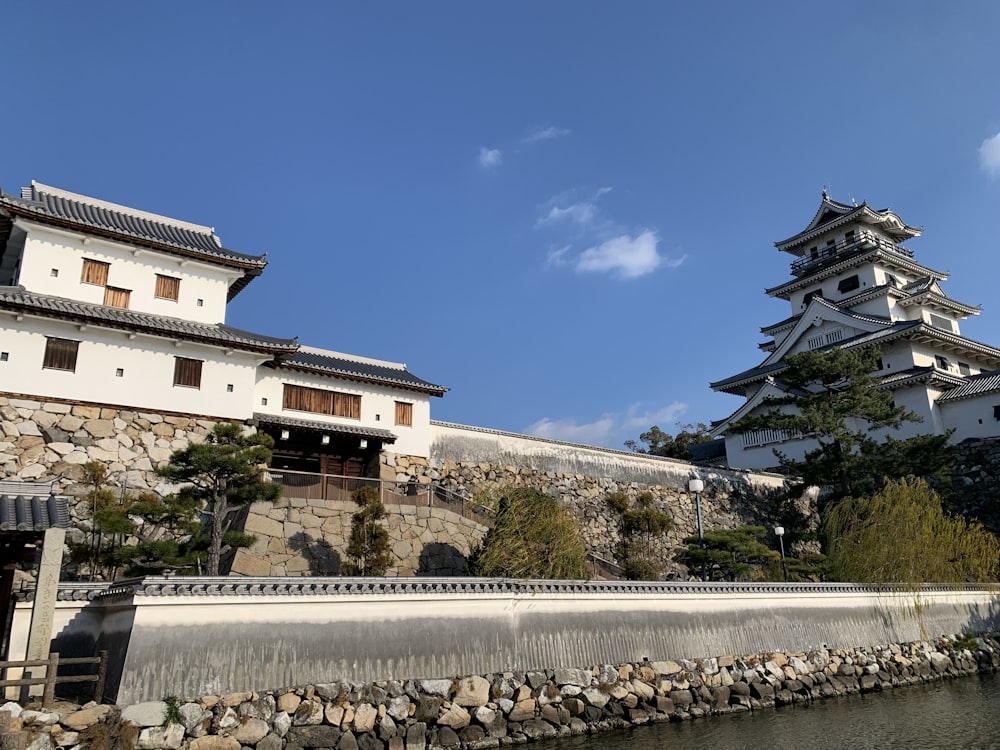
(490, 710)
(309, 537)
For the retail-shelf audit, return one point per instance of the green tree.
(532, 537)
(660, 443)
(368, 547)
(903, 535)
(731, 554)
(101, 500)
(223, 472)
(641, 529)
(833, 397)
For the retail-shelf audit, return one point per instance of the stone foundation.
(492, 710)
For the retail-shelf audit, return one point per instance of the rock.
(455, 717)
(271, 742)
(578, 677)
(169, 737)
(288, 702)
(472, 691)
(440, 688)
(416, 736)
(251, 731)
(595, 697)
(523, 710)
(536, 729)
(447, 738)
(193, 717)
(308, 712)
(281, 723)
(364, 717)
(214, 742)
(314, 736)
(83, 718)
(148, 714)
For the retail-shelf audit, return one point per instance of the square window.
(996, 413)
(167, 287)
(115, 297)
(119, 373)
(404, 414)
(263, 401)
(94, 272)
(187, 372)
(200, 303)
(54, 272)
(60, 354)
(229, 388)
(4, 356)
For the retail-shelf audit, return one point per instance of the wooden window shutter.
(115, 297)
(167, 287)
(94, 272)
(187, 372)
(319, 401)
(60, 354)
(404, 414)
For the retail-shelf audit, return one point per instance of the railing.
(756, 438)
(52, 678)
(864, 240)
(329, 487)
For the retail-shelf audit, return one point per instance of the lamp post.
(779, 531)
(696, 486)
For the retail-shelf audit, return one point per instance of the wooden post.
(49, 696)
(102, 674)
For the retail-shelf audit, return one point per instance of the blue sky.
(564, 211)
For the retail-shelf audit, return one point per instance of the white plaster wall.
(460, 443)
(971, 417)
(378, 406)
(131, 268)
(147, 364)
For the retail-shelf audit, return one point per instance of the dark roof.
(711, 451)
(833, 213)
(368, 370)
(16, 298)
(974, 385)
(314, 424)
(31, 506)
(69, 210)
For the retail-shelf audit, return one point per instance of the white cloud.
(579, 213)
(664, 417)
(989, 156)
(610, 429)
(628, 257)
(546, 134)
(557, 257)
(593, 433)
(489, 157)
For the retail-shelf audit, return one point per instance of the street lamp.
(696, 486)
(779, 531)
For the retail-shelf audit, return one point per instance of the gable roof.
(317, 425)
(61, 208)
(17, 299)
(326, 362)
(821, 309)
(832, 214)
(771, 389)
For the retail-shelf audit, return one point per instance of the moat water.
(960, 713)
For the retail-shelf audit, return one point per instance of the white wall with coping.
(462, 443)
(378, 406)
(132, 268)
(259, 634)
(147, 363)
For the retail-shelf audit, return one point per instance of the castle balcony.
(843, 249)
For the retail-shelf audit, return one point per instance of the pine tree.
(640, 535)
(368, 547)
(223, 472)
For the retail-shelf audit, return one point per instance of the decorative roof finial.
(825, 193)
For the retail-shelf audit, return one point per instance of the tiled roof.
(31, 506)
(974, 385)
(61, 208)
(16, 298)
(760, 372)
(358, 368)
(314, 424)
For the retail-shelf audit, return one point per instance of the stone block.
(472, 691)
(148, 714)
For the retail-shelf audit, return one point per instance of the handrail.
(864, 240)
